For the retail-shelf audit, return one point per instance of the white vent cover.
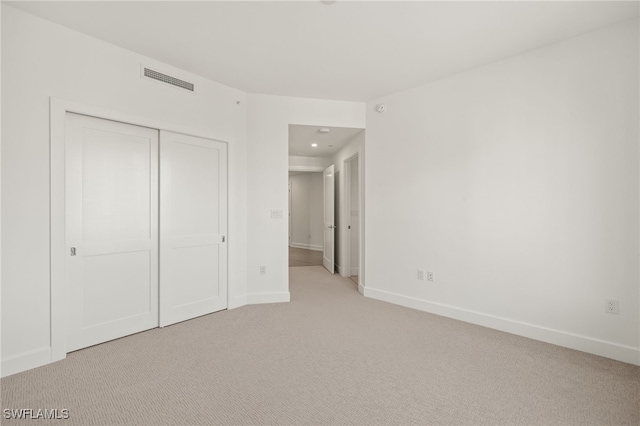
(167, 79)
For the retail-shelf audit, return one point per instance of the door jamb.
(346, 213)
(346, 164)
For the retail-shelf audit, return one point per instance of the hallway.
(304, 257)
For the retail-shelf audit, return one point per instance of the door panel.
(328, 257)
(115, 174)
(190, 172)
(102, 279)
(193, 223)
(111, 199)
(197, 274)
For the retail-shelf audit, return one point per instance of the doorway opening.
(305, 219)
(324, 192)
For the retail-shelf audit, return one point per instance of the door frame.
(346, 214)
(58, 108)
(361, 152)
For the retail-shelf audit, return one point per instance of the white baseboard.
(306, 246)
(355, 271)
(361, 289)
(258, 298)
(25, 361)
(624, 353)
(237, 301)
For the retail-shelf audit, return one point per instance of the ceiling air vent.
(164, 78)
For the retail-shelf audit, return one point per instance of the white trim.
(307, 168)
(306, 246)
(360, 288)
(237, 301)
(578, 342)
(258, 298)
(339, 270)
(58, 110)
(26, 361)
(80, 108)
(362, 212)
(57, 225)
(355, 271)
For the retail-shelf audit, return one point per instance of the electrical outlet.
(429, 276)
(263, 270)
(277, 214)
(612, 306)
(421, 274)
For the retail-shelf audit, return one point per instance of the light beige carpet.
(304, 257)
(330, 356)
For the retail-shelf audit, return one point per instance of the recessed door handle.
(73, 251)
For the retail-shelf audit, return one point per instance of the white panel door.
(329, 219)
(111, 201)
(193, 223)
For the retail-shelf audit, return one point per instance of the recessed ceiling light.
(314, 145)
(324, 130)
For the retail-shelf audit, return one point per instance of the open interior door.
(329, 219)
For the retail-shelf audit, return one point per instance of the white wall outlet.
(612, 306)
(421, 274)
(277, 214)
(429, 276)
(263, 270)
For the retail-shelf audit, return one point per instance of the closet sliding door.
(145, 225)
(193, 223)
(111, 204)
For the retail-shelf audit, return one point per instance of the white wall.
(517, 184)
(267, 163)
(41, 60)
(306, 210)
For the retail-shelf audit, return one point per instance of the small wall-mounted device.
(381, 108)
